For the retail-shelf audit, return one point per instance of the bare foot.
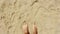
(35, 29)
(26, 30)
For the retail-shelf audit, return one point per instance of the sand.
(45, 13)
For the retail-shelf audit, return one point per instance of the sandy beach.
(45, 13)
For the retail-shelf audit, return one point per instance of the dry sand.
(45, 13)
